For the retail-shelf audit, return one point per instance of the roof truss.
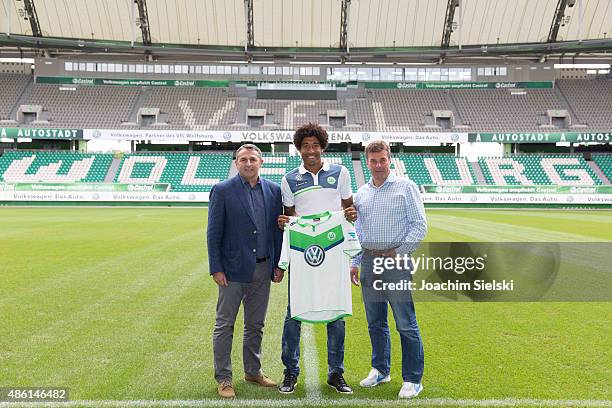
(143, 17)
(30, 10)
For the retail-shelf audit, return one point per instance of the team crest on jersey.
(314, 255)
(331, 180)
(331, 235)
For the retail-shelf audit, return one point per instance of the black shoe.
(288, 385)
(337, 381)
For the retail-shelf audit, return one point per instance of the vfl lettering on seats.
(189, 177)
(159, 162)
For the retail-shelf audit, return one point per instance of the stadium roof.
(318, 29)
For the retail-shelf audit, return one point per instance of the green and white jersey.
(318, 249)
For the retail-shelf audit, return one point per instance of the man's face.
(311, 151)
(248, 163)
(379, 164)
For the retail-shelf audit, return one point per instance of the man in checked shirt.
(390, 222)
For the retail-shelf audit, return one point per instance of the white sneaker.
(374, 378)
(410, 390)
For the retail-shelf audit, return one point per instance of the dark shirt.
(258, 210)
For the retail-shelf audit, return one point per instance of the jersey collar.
(322, 217)
(303, 170)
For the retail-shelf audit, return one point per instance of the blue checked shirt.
(390, 216)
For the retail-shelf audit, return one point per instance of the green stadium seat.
(604, 162)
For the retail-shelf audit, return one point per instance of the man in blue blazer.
(244, 245)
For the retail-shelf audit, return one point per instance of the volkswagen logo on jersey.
(314, 255)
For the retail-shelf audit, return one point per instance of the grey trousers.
(254, 296)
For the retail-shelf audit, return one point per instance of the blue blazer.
(231, 238)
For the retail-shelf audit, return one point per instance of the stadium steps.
(480, 178)
(241, 110)
(233, 170)
(350, 111)
(561, 96)
(112, 171)
(453, 107)
(598, 172)
(143, 97)
(25, 95)
(360, 179)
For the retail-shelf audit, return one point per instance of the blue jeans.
(291, 345)
(376, 308)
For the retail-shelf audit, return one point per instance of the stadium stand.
(399, 110)
(591, 100)
(100, 107)
(428, 169)
(276, 165)
(184, 171)
(289, 114)
(197, 172)
(587, 103)
(497, 110)
(194, 108)
(53, 167)
(555, 169)
(12, 86)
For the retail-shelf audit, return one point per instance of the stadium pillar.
(82, 145)
(281, 147)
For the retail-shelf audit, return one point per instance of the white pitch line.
(321, 402)
(311, 363)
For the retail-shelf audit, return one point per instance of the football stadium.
(121, 119)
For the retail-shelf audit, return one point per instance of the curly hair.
(310, 129)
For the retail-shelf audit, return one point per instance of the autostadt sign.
(542, 137)
(14, 133)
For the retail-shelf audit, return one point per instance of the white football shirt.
(316, 193)
(318, 249)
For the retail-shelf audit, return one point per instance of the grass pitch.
(117, 304)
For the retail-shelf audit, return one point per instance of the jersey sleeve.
(283, 262)
(288, 200)
(344, 184)
(351, 242)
